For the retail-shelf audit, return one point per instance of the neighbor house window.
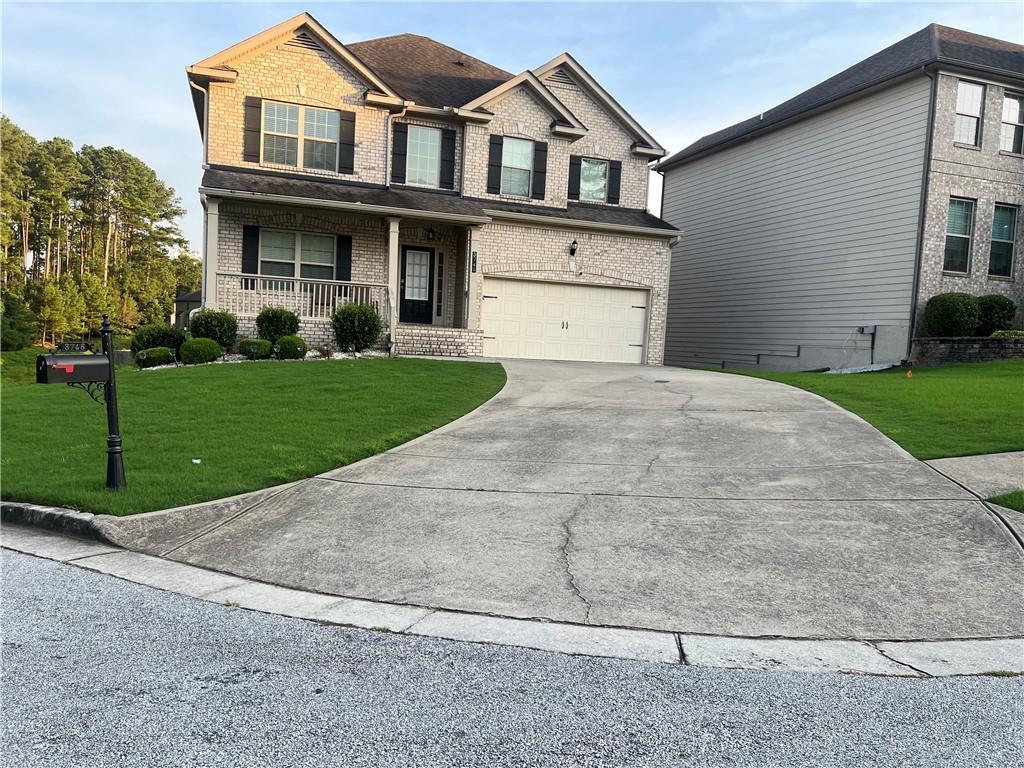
(516, 166)
(1012, 138)
(1004, 229)
(593, 180)
(969, 98)
(423, 161)
(320, 131)
(282, 253)
(959, 225)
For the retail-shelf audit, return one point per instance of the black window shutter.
(614, 181)
(343, 259)
(540, 170)
(399, 151)
(447, 159)
(347, 143)
(494, 165)
(253, 116)
(574, 177)
(250, 249)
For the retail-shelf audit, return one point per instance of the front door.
(417, 285)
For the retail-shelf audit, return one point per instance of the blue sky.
(114, 73)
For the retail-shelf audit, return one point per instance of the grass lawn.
(955, 410)
(252, 425)
(1012, 500)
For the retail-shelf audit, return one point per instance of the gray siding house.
(816, 231)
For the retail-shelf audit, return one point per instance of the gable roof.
(565, 121)
(933, 45)
(428, 72)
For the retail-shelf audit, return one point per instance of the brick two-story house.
(481, 212)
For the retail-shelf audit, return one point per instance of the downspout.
(923, 209)
(206, 121)
(387, 142)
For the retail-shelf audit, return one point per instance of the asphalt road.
(100, 672)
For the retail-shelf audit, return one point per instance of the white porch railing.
(244, 295)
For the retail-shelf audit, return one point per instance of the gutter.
(552, 221)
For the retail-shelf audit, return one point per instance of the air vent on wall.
(560, 76)
(304, 40)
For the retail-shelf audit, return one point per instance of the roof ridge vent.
(305, 40)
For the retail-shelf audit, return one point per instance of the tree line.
(83, 233)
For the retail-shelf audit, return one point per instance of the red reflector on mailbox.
(65, 368)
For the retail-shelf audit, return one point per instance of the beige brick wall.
(514, 250)
(448, 342)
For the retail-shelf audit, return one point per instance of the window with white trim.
(593, 180)
(296, 254)
(959, 227)
(1004, 229)
(969, 100)
(1012, 137)
(321, 129)
(516, 166)
(423, 156)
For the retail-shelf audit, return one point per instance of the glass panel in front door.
(417, 275)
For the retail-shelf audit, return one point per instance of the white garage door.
(562, 321)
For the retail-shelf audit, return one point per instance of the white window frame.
(408, 155)
(1003, 123)
(608, 166)
(969, 237)
(978, 118)
(300, 137)
(1011, 241)
(530, 170)
(297, 261)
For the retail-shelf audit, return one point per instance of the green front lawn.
(1012, 500)
(956, 410)
(249, 425)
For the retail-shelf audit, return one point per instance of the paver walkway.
(659, 498)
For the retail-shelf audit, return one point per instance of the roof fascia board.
(212, 73)
(291, 25)
(565, 59)
(989, 75)
(533, 82)
(561, 223)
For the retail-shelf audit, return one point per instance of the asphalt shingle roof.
(931, 45)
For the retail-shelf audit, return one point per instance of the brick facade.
(983, 174)
(438, 341)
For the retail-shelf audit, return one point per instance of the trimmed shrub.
(196, 351)
(290, 348)
(150, 336)
(154, 356)
(1011, 334)
(274, 322)
(255, 349)
(356, 327)
(995, 313)
(222, 327)
(951, 314)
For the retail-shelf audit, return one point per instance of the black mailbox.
(72, 369)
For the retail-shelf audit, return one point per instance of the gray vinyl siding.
(794, 240)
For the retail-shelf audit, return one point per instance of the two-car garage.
(563, 321)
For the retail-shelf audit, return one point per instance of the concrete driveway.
(658, 498)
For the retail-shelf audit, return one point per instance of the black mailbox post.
(95, 375)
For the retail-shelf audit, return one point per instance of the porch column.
(211, 247)
(473, 298)
(393, 262)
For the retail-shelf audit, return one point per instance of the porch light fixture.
(431, 234)
(572, 248)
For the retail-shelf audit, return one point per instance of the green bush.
(356, 327)
(150, 358)
(149, 336)
(222, 327)
(18, 326)
(951, 314)
(995, 313)
(196, 351)
(290, 348)
(1010, 334)
(274, 322)
(255, 349)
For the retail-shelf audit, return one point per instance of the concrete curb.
(58, 519)
(926, 658)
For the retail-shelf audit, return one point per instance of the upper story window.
(969, 98)
(423, 164)
(959, 226)
(594, 180)
(516, 167)
(282, 253)
(1012, 138)
(320, 132)
(1004, 228)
